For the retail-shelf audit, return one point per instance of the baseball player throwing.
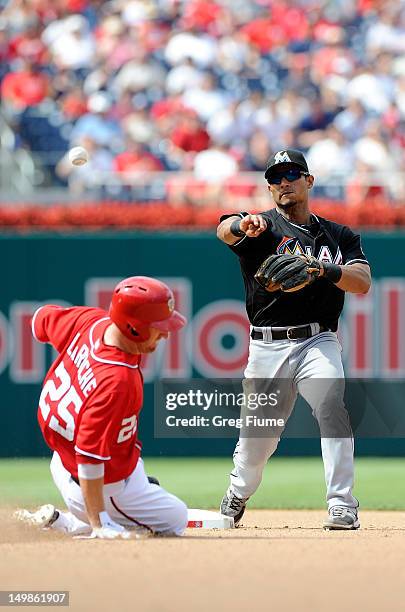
(89, 411)
(296, 269)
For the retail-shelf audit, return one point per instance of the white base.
(206, 519)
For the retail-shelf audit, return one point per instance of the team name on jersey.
(292, 246)
(79, 356)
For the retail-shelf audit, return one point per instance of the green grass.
(201, 482)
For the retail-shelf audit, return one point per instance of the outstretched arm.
(92, 490)
(250, 225)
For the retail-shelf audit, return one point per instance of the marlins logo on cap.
(282, 157)
(289, 156)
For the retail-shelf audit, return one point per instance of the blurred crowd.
(208, 87)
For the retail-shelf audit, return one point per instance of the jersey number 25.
(66, 396)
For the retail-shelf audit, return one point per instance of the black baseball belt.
(288, 333)
(76, 480)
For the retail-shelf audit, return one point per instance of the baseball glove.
(288, 272)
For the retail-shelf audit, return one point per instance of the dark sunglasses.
(292, 174)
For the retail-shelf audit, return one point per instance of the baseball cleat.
(153, 480)
(233, 506)
(341, 517)
(43, 517)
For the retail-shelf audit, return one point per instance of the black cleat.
(233, 506)
(153, 480)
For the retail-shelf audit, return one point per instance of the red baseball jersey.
(92, 395)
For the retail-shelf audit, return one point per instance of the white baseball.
(78, 156)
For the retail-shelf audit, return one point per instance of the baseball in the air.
(78, 156)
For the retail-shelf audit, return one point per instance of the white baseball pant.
(132, 502)
(318, 357)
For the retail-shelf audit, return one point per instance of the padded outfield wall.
(83, 268)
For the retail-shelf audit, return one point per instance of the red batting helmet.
(139, 303)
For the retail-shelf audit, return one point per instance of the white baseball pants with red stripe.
(301, 361)
(132, 502)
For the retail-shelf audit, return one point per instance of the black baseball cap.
(288, 156)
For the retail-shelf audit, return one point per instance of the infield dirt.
(279, 560)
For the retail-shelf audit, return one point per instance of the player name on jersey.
(79, 356)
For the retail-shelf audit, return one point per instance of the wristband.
(90, 471)
(332, 272)
(235, 229)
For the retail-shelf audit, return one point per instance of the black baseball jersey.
(321, 302)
